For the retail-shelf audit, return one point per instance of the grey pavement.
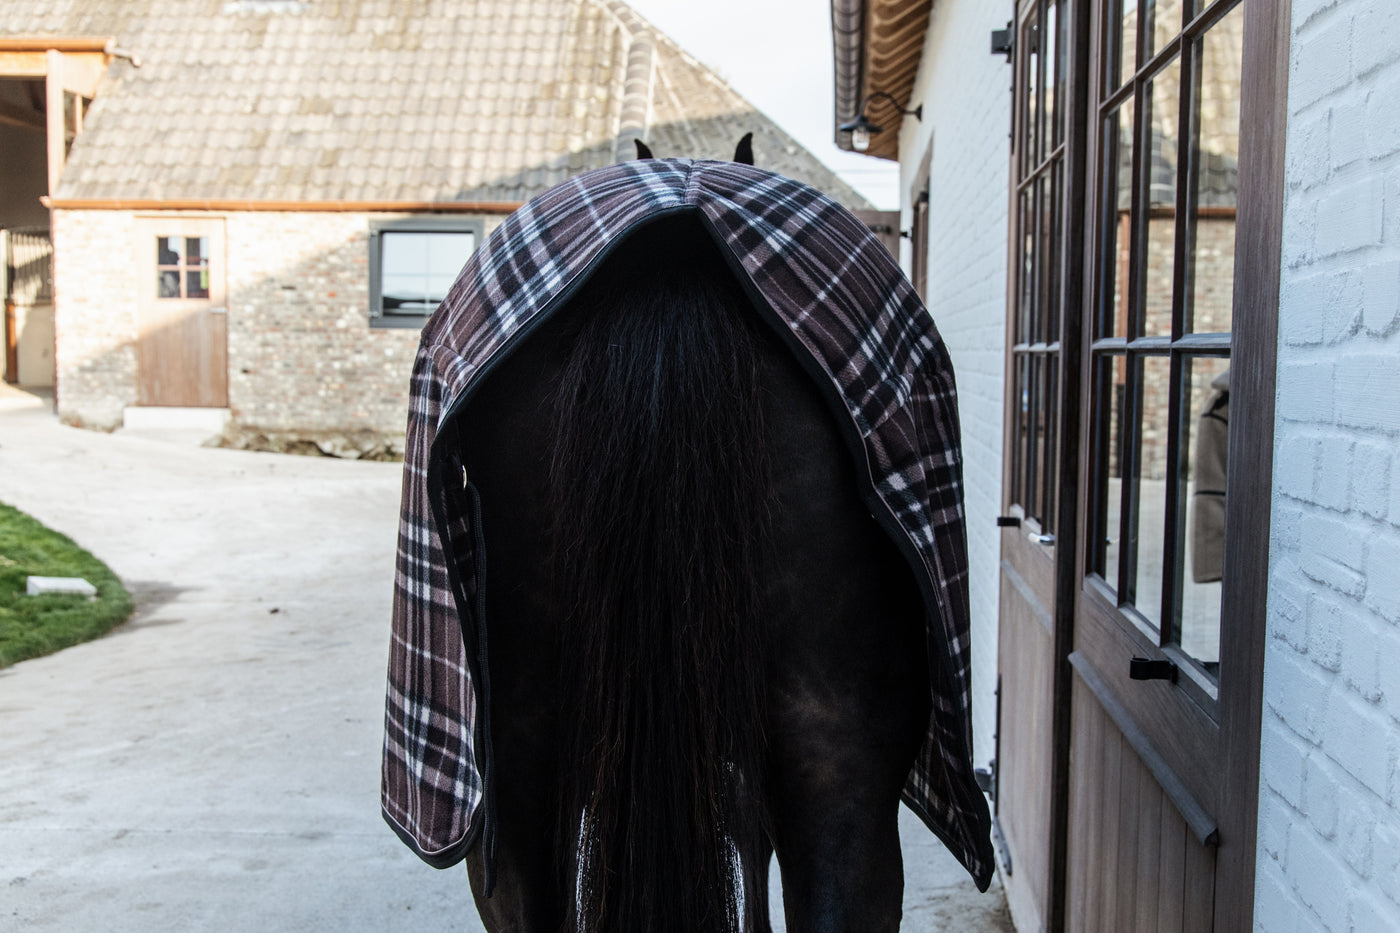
(213, 764)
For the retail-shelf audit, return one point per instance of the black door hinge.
(1003, 42)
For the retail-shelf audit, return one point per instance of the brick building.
(1191, 723)
(253, 204)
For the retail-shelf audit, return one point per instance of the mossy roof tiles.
(368, 100)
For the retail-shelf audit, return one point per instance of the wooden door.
(1129, 726)
(1033, 631)
(182, 313)
(1182, 244)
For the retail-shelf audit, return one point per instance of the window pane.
(1051, 314)
(1163, 97)
(168, 251)
(1043, 273)
(438, 286)
(197, 250)
(1165, 17)
(1034, 397)
(1117, 221)
(448, 252)
(1154, 384)
(1024, 317)
(404, 253)
(417, 268)
(1108, 467)
(1205, 423)
(197, 283)
(1215, 175)
(1055, 72)
(1122, 41)
(1050, 368)
(406, 294)
(168, 283)
(1030, 41)
(1020, 441)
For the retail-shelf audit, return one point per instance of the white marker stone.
(67, 586)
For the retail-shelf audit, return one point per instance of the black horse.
(703, 648)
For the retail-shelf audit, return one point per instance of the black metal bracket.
(1003, 41)
(1148, 669)
(1008, 521)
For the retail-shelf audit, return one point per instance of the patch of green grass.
(31, 626)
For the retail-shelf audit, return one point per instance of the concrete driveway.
(214, 763)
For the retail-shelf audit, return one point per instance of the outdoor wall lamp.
(861, 129)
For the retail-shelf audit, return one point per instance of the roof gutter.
(57, 43)
(848, 50)
(69, 45)
(234, 204)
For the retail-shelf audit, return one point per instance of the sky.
(776, 53)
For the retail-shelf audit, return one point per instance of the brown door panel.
(182, 341)
(1134, 861)
(1026, 663)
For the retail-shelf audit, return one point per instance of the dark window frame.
(377, 228)
(919, 226)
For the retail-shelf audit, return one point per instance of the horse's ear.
(744, 151)
(643, 150)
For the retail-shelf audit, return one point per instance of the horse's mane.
(660, 487)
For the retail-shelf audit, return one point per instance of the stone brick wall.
(301, 353)
(94, 316)
(964, 92)
(1329, 830)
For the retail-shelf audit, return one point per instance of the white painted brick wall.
(1329, 808)
(965, 92)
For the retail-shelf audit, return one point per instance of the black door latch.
(1148, 669)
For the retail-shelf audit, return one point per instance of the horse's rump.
(638, 545)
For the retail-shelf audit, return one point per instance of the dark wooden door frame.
(1253, 377)
(1071, 415)
(1069, 280)
(1253, 356)
(1264, 101)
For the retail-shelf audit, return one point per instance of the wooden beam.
(43, 44)
(16, 115)
(235, 204)
(57, 132)
(83, 71)
(31, 63)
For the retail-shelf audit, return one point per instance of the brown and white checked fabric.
(849, 314)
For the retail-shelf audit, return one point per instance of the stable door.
(182, 313)
(1141, 323)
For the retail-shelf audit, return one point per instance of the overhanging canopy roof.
(877, 46)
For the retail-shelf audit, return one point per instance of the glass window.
(1162, 352)
(182, 267)
(1038, 257)
(413, 265)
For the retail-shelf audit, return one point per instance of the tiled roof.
(374, 100)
